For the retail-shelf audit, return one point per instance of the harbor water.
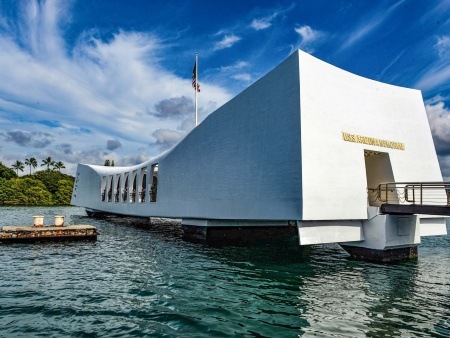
(141, 278)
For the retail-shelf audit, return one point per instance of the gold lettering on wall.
(373, 141)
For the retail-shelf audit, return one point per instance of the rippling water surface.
(142, 279)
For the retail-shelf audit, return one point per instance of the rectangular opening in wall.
(125, 188)
(154, 183)
(117, 188)
(110, 188)
(142, 185)
(378, 170)
(133, 187)
(103, 188)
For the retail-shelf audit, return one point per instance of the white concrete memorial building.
(307, 148)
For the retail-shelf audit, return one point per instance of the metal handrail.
(420, 193)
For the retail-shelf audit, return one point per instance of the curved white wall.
(276, 152)
(242, 162)
(335, 101)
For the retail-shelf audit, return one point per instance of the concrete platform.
(411, 209)
(47, 233)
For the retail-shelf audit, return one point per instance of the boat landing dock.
(15, 234)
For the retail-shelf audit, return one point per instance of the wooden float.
(47, 233)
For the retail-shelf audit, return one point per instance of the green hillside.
(45, 187)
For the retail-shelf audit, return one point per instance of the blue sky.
(85, 81)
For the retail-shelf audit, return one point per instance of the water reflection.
(330, 293)
(143, 279)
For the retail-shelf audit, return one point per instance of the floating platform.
(17, 234)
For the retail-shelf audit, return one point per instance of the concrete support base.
(97, 213)
(239, 234)
(381, 256)
(102, 214)
(387, 238)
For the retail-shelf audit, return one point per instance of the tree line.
(32, 162)
(45, 187)
(109, 163)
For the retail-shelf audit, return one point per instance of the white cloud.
(240, 71)
(436, 99)
(139, 156)
(104, 86)
(369, 25)
(40, 30)
(361, 32)
(392, 63)
(166, 138)
(266, 22)
(175, 107)
(309, 38)
(444, 162)
(438, 72)
(443, 46)
(436, 75)
(238, 65)
(439, 119)
(307, 33)
(242, 77)
(227, 42)
(435, 14)
(186, 125)
(259, 24)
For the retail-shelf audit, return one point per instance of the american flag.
(195, 84)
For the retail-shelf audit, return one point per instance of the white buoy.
(59, 220)
(38, 221)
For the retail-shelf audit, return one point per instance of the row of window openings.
(126, 196)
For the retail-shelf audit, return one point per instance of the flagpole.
(196, 84)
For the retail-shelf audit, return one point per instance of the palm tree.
(31, 162)
(48, 162)
(28, 163)
(58, 165)
(18, 166)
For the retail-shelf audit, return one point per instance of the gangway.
(406, 198)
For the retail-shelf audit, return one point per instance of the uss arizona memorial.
(310, 148)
